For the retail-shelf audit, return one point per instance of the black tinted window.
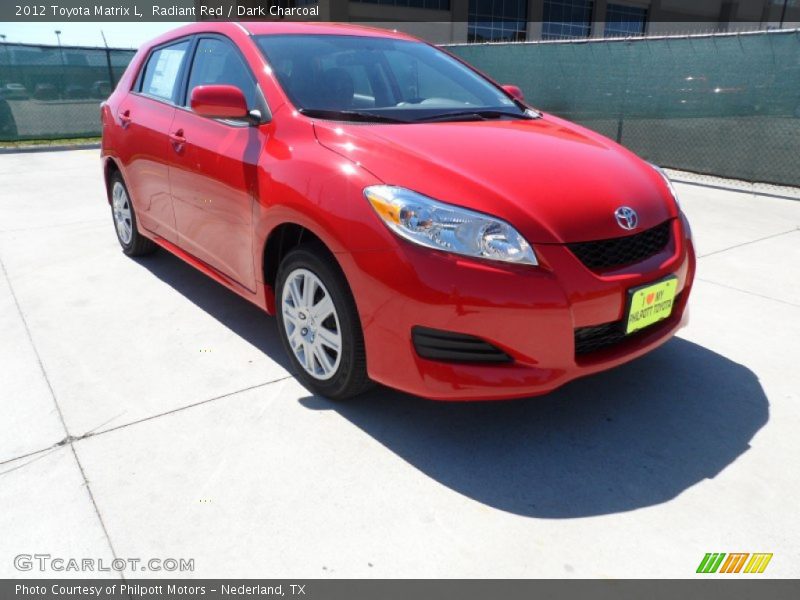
(162, 69)
(217, 62)
(396, 78)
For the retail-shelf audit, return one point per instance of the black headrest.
(338, 88)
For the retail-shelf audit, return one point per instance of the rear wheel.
(319, 325)
(132, 242)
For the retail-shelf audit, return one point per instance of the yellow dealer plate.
(650, 304)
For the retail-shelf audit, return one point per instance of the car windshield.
(389, 80)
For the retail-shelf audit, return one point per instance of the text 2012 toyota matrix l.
(406, 219)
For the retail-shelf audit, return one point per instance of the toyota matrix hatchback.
(406, 219)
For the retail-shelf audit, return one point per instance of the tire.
(123, 216)
(310, 326)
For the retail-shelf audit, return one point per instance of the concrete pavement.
(146, 412)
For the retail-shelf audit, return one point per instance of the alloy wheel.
(311, 324)
(121, 207)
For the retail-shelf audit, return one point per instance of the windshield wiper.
(347, 115)
(473, 115)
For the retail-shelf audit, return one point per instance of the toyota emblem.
(626, 217)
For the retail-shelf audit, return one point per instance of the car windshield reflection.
(340, 76)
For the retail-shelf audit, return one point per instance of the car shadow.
(628, 438)
(240, 316)
(635, 436)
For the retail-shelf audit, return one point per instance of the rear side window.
(162, 70)
(217, 62)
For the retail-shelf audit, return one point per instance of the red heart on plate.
(650, 297)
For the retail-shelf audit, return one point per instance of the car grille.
(605, 254)
(599, 337)
(455, 347)
(590, 339)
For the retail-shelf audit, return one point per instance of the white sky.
(119, 35)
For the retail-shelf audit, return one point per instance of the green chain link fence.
(52, 92)
(725, 105)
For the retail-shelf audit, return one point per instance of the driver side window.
(217, 62)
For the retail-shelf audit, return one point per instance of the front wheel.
(318, 324)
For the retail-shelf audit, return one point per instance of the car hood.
(554, 181)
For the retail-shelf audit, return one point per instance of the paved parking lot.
(146, 412)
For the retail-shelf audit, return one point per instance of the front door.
(213, 173)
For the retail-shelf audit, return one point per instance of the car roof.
(278, 28)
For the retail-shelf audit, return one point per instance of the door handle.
(125, 118)
(177, 139)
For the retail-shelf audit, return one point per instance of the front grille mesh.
(590, 339)
(616, 252)
(455, 347)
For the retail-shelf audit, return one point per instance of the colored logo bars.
(717, 562)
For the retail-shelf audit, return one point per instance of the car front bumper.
(530, 313)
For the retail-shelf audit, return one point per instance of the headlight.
(671, 187)
(441, 226)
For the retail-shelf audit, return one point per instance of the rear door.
(214, 164)
(145, 116)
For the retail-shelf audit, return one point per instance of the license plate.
(650, 304)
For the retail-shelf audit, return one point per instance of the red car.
(408, 221)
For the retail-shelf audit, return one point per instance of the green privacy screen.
(726, 105)
(48, 92)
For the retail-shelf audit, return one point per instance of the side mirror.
(219, 102)
(514, 91)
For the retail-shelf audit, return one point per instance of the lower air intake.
(435, 344)
(599, 337)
